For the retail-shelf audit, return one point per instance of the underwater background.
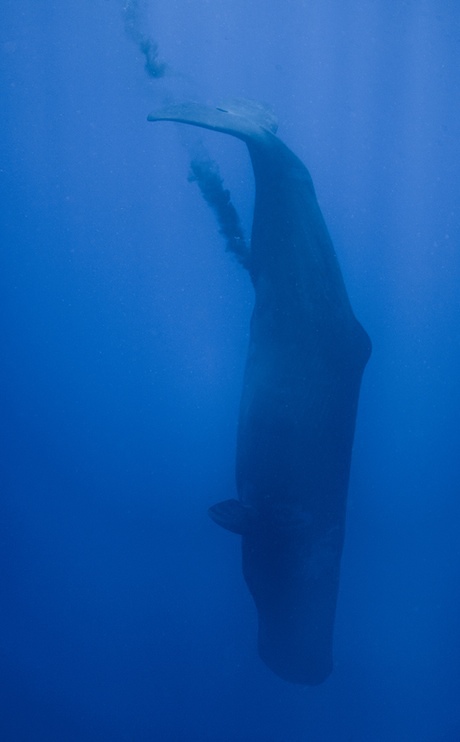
(124, 326)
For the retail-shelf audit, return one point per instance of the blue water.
(124, 325)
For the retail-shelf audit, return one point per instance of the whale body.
(307, 353)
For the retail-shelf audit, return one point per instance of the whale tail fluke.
(240, 118)
(243, 119)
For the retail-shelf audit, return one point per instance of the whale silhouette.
(307, 353)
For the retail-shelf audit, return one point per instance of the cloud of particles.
(203, 169)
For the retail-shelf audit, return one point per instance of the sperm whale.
(307, 353)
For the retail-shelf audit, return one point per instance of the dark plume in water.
(133, 16)
(203, 169)
(206, 173)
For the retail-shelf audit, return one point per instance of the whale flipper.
(232, 515)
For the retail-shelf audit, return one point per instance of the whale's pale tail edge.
(244, 119)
